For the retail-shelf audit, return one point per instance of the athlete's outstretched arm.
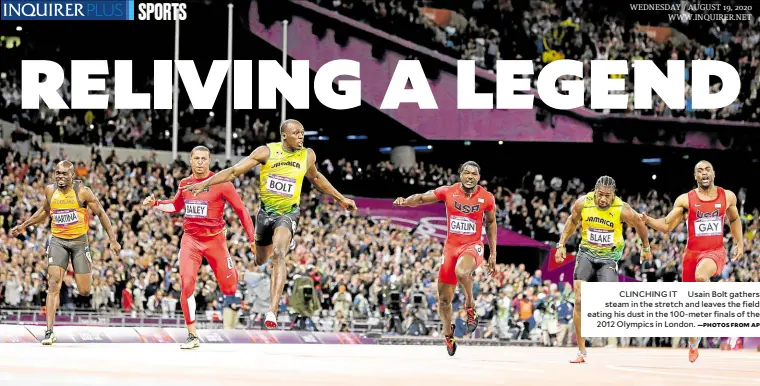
(93, 203)
(570, 226)
(323, 185)
(259, 156)
(732, 212)
(573, 221)
(170, 206)
(633, 219)
(418, 199)
(231, 195)
(39, 216)
(671, 221)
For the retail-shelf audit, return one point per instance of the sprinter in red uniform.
(466, 203)
(205, 234)
(706, 207)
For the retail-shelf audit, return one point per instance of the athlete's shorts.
(192, 251)
(214, 249)
(451, 254)
(594, 269)
(266, 223)
(77, 251)
(691, 260)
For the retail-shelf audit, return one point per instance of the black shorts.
(589, 268)
(77, 251)
(266, 223)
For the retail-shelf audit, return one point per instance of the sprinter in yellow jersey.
(283, 167)
(600, 214)
(66, 204)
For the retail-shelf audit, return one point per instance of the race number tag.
(196, 209)
(462, 225)
(600, 237)
(64, 217)
(281, 186)
(708, 226)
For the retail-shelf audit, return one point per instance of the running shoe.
(50, 338)
(270, 321)
(192, 342)
(579, 358)
(694, 351)
(451, 343)
(472, 319)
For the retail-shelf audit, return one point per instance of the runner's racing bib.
(462, 225)
(196, 209)
(281, 186)
(708, 226)
(64, 217)
(600, 237)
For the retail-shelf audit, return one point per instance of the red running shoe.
(451, 343)
(693, 354)
(472, 319)
(579, 358)
(270, 320)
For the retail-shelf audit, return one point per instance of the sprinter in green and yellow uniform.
(601, 215)
(283, 167)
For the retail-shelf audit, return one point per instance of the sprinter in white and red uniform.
(706, 209)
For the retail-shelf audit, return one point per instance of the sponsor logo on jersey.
(466, 209)
(293, 164)
(715, 213)
(594, 219)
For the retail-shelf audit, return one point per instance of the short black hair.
(288, 124)
(606, 181)
(469, 163)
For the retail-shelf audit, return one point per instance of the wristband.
(647, 249)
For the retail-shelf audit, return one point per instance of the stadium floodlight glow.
(19, 29)
(272, 77)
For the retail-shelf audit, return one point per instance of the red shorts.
(192, 251)
(691, 260)
(451, 253)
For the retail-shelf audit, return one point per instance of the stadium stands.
(368, 257)
(545, 31)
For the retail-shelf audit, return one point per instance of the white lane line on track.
(683, 374)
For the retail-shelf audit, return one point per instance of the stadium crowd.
(141, 129)
(355, 262)
(584, 30)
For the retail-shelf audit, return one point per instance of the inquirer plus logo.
(68, 10)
